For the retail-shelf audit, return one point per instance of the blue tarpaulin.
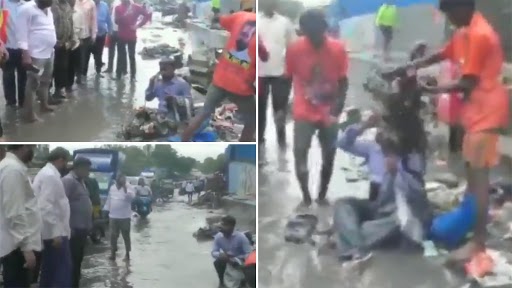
(241, 153)
(343, 9)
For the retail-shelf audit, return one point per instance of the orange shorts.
(480, 149)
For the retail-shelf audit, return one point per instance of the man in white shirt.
(275, 32)
(119, 205)
(20, 221)
(55, 213)
(35, 32)
(189, 188)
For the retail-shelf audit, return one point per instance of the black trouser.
(85, 54)
(250, 275)
(279, 88)
(73, 67)
(112, 46)
(77, 244)
(60, 68)
(14, 274)
(12, 68)
(220, 267)
(374, 191)
(97, 52)
(456, 138)
(122, 47)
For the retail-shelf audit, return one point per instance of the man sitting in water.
(230, 247)
(173, 93)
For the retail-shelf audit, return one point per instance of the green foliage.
(163, 157)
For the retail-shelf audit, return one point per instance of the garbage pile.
(162, 51)
(210, 230)
(148, 125)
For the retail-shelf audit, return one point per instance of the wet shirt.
(476, 50)
(236, 70)
(20, 220)
(176, 87)
(350, 142)
(277, 33)
(315, 74)
(119, 202)
(387, 15)
(35, 31)
(103, 18)
(63, 20)
(236, 245)
(79, 202)
(127, 19)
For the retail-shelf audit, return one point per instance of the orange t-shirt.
(315, 75)
(251, 259)
(476, 50)
(236, 70)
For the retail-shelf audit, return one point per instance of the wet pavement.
(101, 105)
(164, 253)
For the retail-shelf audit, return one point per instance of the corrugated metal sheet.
(242, 179)
(241, 153)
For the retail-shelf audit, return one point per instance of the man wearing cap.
(317, 65)
(476, 50)
(54, 208)
(20, 221)
(80, 220)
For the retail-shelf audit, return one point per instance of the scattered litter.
(429, 249)
(500, 273)
(300, 229)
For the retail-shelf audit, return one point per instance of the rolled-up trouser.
(38, 84)
(357, 227)
(303, 132)
(120, 226)
(246, 104)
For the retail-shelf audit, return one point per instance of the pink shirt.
(87, 12)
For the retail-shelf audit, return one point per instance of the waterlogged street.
(101, 105)
(164, 253)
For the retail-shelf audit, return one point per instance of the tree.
(211, 165)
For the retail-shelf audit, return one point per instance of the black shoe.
(52, 101)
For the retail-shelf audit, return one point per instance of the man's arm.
(22, 27)
(94, 21)
(342, 83)
(246, 248)
(226, 21)
(150, 91)
(58, 24)
(47, 200)
(216, 247)
(348, 141)
(13, 207)
(187, 90)
(110, 27)
(130, 193)
(145, 17)
(117, 15)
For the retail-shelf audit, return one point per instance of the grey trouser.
(38, 84)
(120, 226)
(246, 104)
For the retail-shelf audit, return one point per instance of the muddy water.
(101, 105)
(164, 253)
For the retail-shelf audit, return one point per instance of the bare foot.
(466, 252)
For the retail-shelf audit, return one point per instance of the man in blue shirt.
(229, 247)
(173, 93)
(104, 21)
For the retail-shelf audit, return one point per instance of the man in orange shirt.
(476, 48)
(317, 65)
(234, 75)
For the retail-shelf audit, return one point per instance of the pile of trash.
(148, 125)
(162, 51)
(210, 230)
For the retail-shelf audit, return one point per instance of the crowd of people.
(45, 223)
(316, 65)
(49, 44)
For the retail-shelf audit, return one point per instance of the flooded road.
(164, 253)
(101, 105)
